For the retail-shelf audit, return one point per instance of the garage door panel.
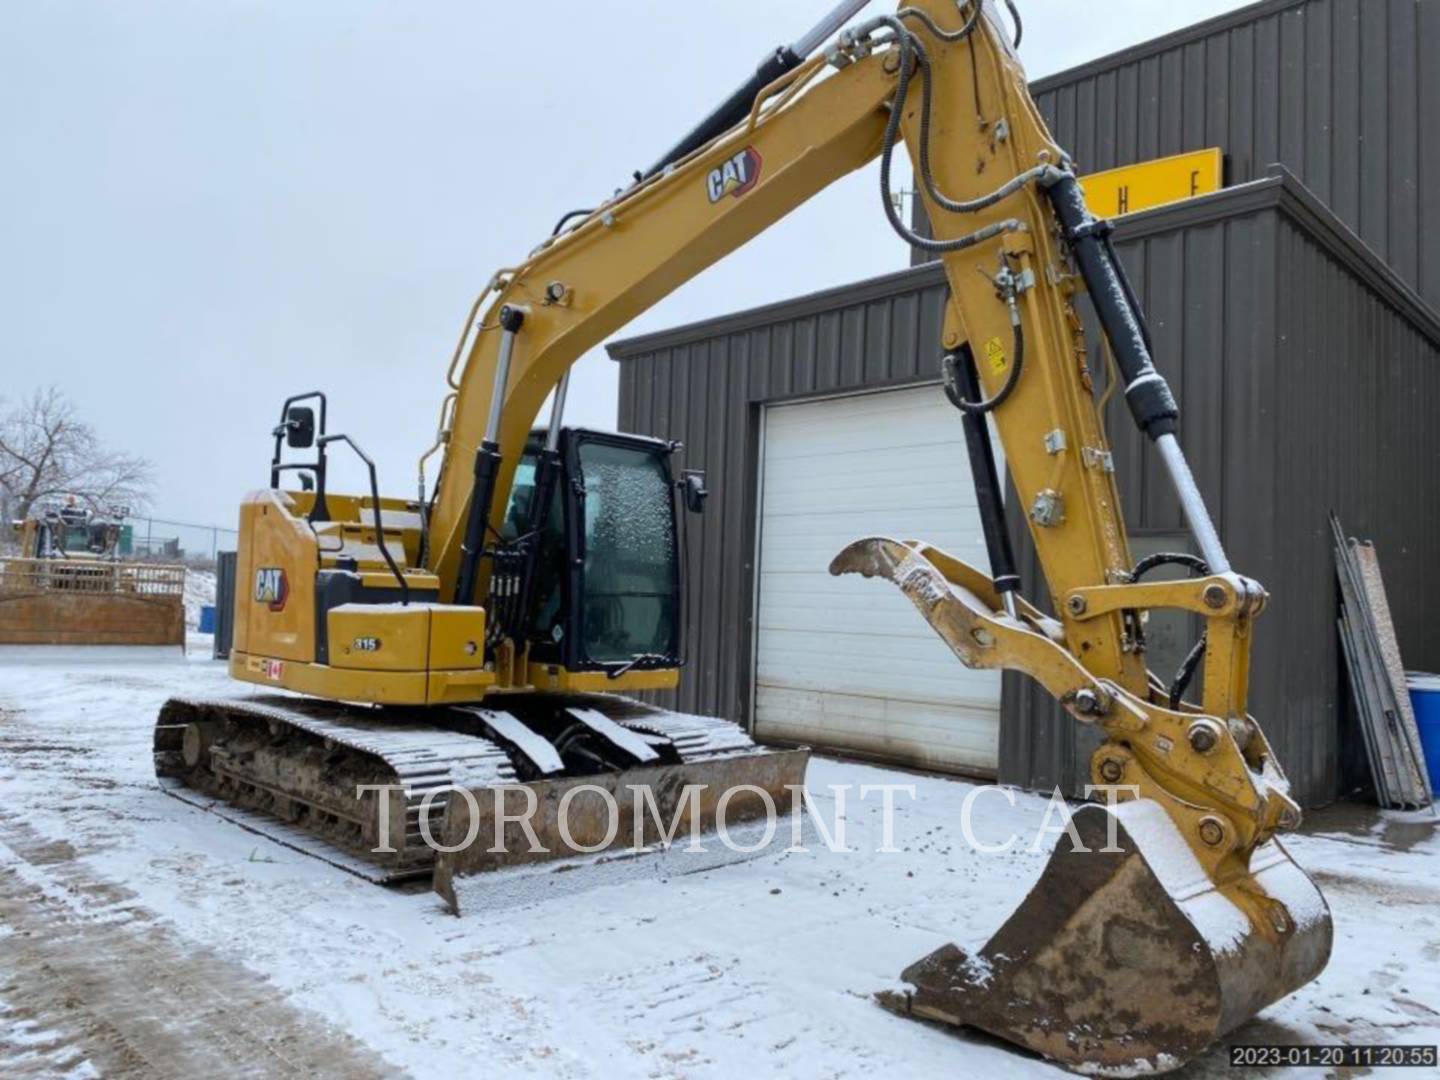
(923, 688)
(844, 662)
(913, 678)
(840, 619)
(866, 467)
(795, 560)
(821, 713)
(857, 628)
(851, 499)
(873, 651)
(963, 740)
(859, 420)
(945, 724)
(788, 531)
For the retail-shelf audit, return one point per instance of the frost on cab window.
(630, 601)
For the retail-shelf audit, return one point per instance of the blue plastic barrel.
(1425, 697)
(207, 626)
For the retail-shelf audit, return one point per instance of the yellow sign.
(1152, 183)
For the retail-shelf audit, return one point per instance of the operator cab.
(588, 585)
(606, 593)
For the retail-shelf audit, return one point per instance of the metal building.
(1343, 93)
(1307, 371)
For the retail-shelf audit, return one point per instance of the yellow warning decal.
(995, 353)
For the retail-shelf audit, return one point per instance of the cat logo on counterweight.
(271, 588)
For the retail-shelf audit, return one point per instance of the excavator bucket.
(1124, 958)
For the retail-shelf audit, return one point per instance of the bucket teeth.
(1128, 960)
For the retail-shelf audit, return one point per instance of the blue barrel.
(207, 626)
(1425, 697)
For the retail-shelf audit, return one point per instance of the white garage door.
(848, 663)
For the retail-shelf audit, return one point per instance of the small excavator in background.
(483, 634)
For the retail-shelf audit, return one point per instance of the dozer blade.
(647, 821)
(1129, 960)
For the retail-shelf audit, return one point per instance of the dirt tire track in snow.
(91, 984)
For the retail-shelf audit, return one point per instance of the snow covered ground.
(140, 936)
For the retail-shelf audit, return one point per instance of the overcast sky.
(206, 206)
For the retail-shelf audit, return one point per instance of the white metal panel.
(844, 662)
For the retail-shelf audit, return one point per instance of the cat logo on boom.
(736, 176)
(271, 588)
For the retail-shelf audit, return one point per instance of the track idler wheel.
(196, 741)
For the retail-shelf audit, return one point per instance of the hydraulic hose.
(927, 175)
(1186, 673)
(1019, 26)
(943, 35)
(570, 216)
(912, 58)
(961, 379)
(1169, 558)
(985, 405)
(1192, 660)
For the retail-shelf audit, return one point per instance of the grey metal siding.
(1343, 93)
(1356, 434)
(1271, 323)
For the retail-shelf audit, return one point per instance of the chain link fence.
(175, 541)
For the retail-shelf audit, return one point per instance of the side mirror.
(307, 482)
(300, 427)
(692, 489)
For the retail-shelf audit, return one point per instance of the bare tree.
(46, 451)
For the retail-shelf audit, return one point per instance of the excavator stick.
(1128, 956)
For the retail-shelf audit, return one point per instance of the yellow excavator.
(483, 636)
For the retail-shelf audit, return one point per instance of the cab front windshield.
(630, 607)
